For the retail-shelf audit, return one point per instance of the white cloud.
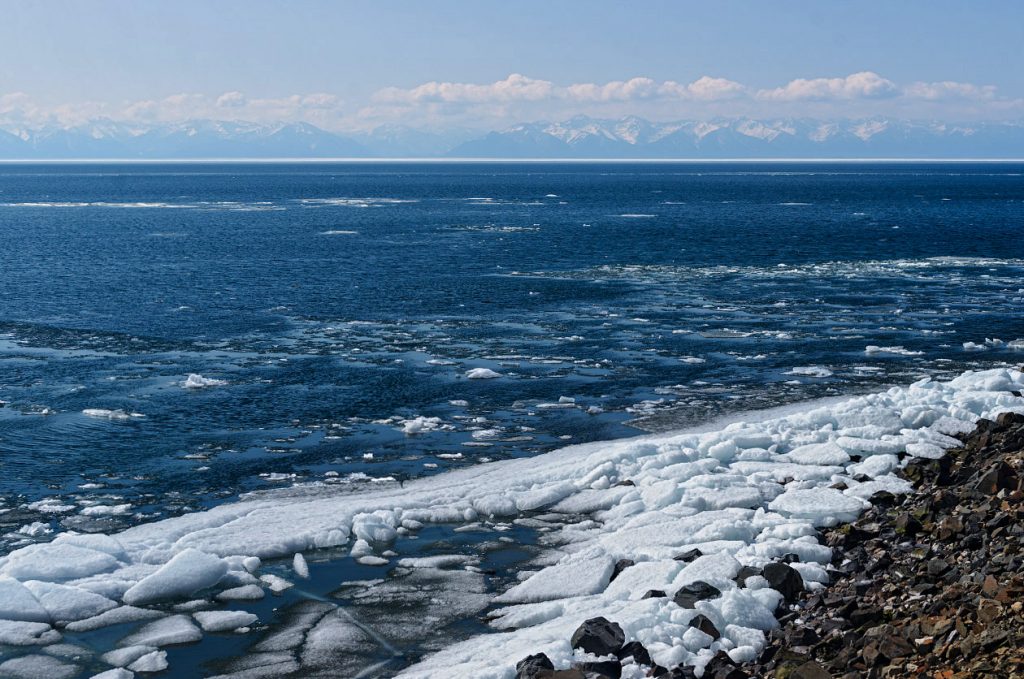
(520, 88)
(520, 98)
(949, 89)
(231, 100)
(706, 88)
(863, 85)
(515, 87)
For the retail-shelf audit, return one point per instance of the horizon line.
(496, 159)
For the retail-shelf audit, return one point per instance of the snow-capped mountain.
(189, 139)
(579, 137)
(632, 137)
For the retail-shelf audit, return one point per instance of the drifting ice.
(744, 494)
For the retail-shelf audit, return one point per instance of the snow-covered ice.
(744, 493)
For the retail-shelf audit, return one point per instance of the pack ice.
(743, 495)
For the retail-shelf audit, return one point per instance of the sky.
(442, 64)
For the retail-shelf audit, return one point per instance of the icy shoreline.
(744, 494)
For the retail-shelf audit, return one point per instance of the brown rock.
(810, 670)
(989, 610)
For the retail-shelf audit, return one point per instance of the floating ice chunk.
(116, 673)
(17, 633)
(18, 603)
(50, 505)
(37, 667)
(971, 346)
(224, 621)
(371, 560)
(243, 593)
(695, 360)
(276, 583)
(115, 616)
(300, 566)
(421, 425)
(439, 561)
(872, 350)
(196, 381)
(117, 415)
(106, 510)
(151, 662)
(66, 604)
(56, 561)
(122, 657)
(176, 629)
(810, 371)
(377, 527)
(822, 506)
(481, 374)
(821, 454)
(185, 574)
(35, 529)
(581, 574)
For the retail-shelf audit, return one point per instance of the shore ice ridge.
(744, 494)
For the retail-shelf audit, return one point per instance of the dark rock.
(681, 672)
(689, 595)
(863, 616)
(908, 525)
(654, 594)
(878, 565)
(893, 647)
(621, 565)
(689, 555)
(784, 579)
(1009, 419)
(603, 668)
(746, 572)
(883, 498)
(562, 674)
(810, 670)
(704, 624)
(727, 673)
(531, 665)
(801, 636)
(625, 482)
(1000, 476)
(636, 650)
(790, 558)
(599, 636)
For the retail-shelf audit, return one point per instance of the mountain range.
(579, 137)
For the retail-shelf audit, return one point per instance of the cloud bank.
(519, 97)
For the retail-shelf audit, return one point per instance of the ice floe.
(743, 494)
(196, 381)
(482, 374)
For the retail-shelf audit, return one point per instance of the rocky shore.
(930, 584)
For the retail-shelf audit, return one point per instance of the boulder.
(599, 636)
(689, 595)
(784, 579)
(530, 666)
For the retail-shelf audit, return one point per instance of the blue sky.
(354, 65)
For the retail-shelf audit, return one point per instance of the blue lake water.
(338, 303)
